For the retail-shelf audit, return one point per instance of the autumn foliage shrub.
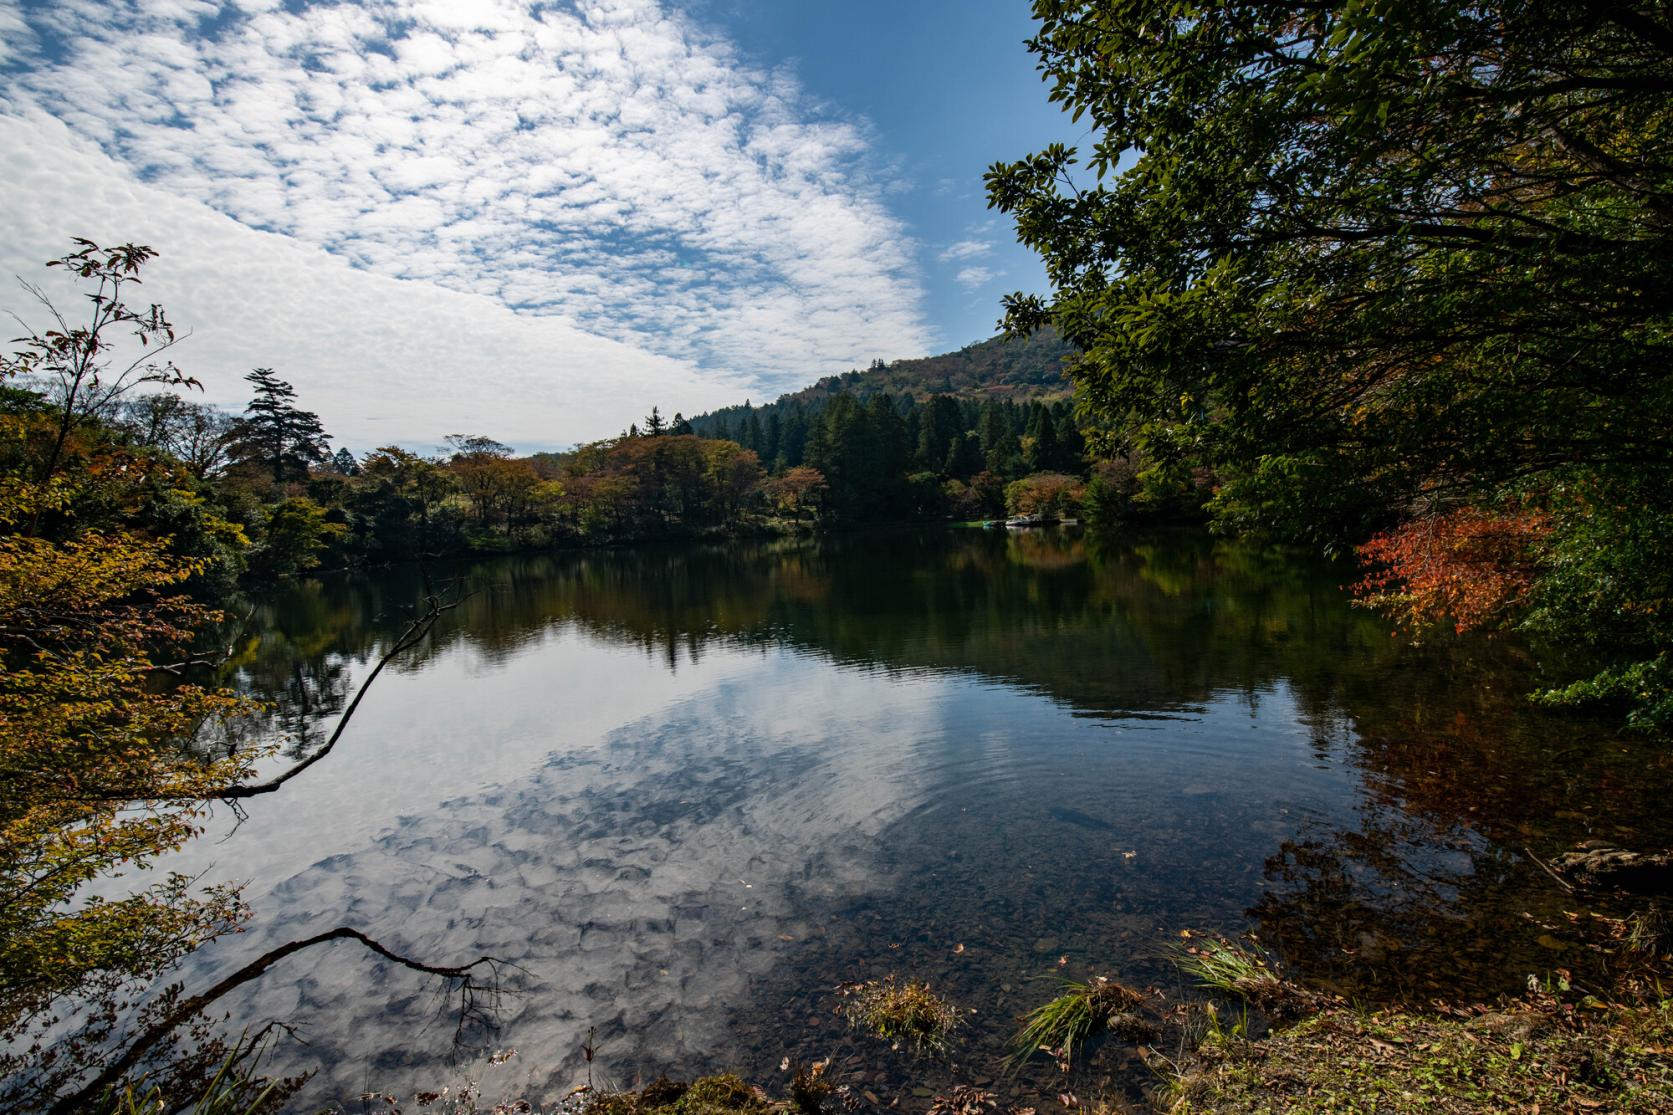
(1469, 566)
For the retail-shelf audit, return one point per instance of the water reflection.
(691, 789)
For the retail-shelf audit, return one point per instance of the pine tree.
(999, 442)
(1045, 454)
(276, 435)
(681, 427)
(964, 459)
(792, 450)
(937, 427)
(655, 424)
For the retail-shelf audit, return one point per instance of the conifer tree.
(276, 435)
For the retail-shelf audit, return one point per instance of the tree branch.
(413, 635)
(466, 976)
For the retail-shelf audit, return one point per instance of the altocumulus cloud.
(580, 175)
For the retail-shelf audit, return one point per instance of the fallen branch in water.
(468, 986)
(411, 637)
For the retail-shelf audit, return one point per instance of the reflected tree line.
(1460, 777)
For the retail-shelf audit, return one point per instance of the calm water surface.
(690, 790)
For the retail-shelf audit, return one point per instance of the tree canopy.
(1371, 262)
(277, 435)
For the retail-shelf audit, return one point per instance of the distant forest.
(1023, 369)
(982, 433)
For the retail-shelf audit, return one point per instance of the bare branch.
(466, 980)
(414, 634)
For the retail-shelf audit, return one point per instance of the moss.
(1532, 1056)
(710, 1095)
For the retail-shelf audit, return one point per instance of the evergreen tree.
(655, 424)
(344, 463)
(1044, 453)
(894, 452)
(940, 423)
(964, 459)
(680, 426)
(274, 434)
(1000, 450)
(1072, 445)
(792, 450)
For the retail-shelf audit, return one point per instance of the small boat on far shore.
(1020, 522)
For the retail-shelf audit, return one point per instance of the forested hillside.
(1021, 370)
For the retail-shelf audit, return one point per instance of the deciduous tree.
(1369, 262)
(86, 365)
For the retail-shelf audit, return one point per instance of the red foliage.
(1468, 565)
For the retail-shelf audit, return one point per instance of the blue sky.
(523, 218)
(950, 89)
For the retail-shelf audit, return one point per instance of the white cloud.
(965, 249)
(616, 167)
(383, 360)
(972, 277)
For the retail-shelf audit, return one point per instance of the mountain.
(1018, 370)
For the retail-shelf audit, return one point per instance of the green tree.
(750, 436)
(297, 533)
(1043, 451)
(1001, 452)
(1356, 251)
(83, 369)
(964, 458)
(274, 435)
(939, 423)
(1372, 262)
(399, 498)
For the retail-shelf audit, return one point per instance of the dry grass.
(711, 1095)
(1532, 1057)
(906, 1014)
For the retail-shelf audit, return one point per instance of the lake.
(689, 790)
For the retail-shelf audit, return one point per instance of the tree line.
(262, 493)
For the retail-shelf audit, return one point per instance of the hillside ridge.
(1019, 369)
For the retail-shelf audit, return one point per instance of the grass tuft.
(1248, 973)
(904, 1013)
(1084, 1009)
